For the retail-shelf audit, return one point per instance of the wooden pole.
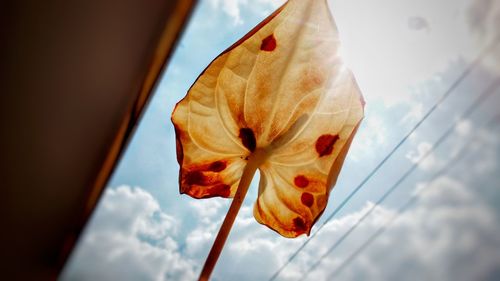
(254, 162)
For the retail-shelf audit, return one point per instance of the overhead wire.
(478, 101)
(459, 156)
(445, 95)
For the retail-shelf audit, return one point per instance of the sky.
(405, 55)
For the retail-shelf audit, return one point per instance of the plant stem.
(254, 162)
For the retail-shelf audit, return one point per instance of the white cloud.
(464, 127)
(129, 238)
(430, 162)
(449, 235)
(230, 7)
(209, 213)
(485, 150)
(206, 210)
(415, 113)
(371, 136)
(388, 56)
(233, 8)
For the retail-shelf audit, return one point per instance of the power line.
(412, 200)
(447, 93)
(481, 98)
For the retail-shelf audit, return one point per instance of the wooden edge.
(174, 27)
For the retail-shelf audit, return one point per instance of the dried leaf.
(282, 90)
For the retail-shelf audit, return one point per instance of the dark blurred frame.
(75, 77)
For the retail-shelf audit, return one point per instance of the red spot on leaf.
(301, 181)
(307, 199)
(300, 225)
(203, 180)
(324, 144)
(248, 138)
(223, 190)
(217, 166)
(195, 177)
(268, 43)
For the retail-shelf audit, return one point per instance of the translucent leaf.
(282, 90)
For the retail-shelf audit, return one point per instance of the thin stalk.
(255, 160)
